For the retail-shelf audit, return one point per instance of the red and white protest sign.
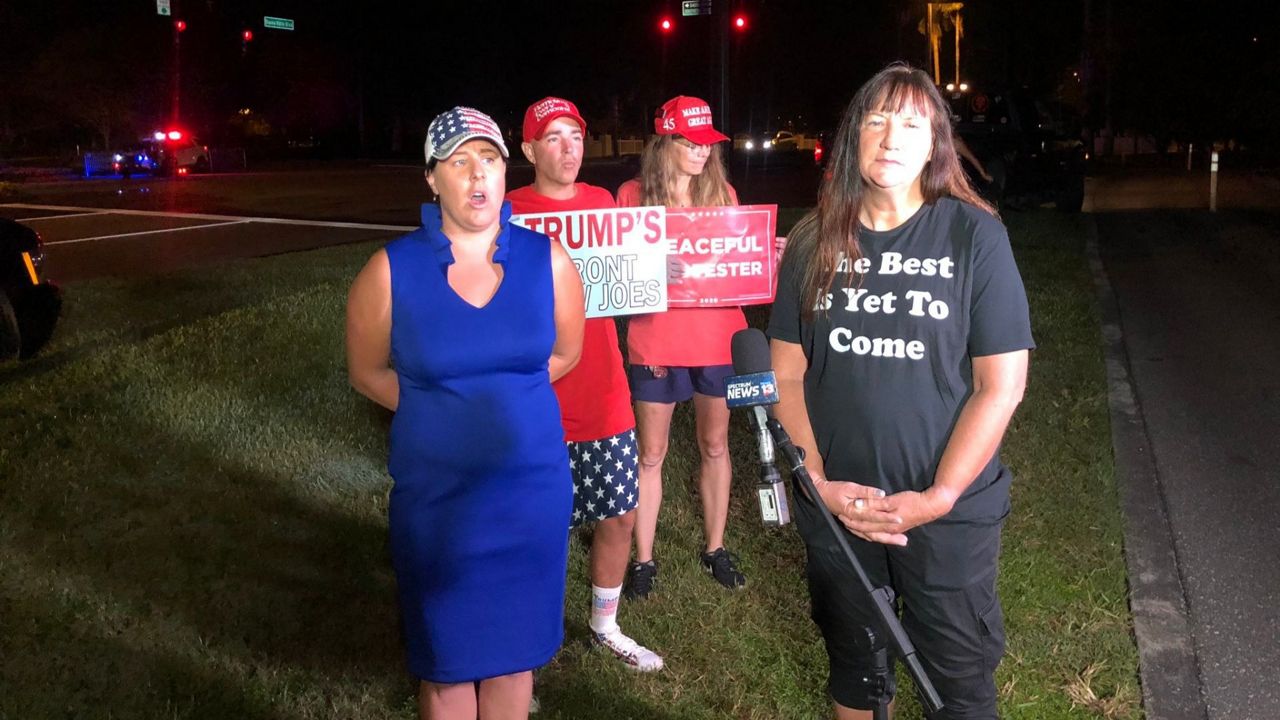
(646, 259)
(724, 256)
(619, 252)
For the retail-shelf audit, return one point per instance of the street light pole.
(723, 20)
(176, 74)
(665, 27)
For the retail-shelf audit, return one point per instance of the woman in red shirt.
(682, 353)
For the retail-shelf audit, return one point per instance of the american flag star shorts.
(604, 477)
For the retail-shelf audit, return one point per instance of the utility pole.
(175, 79)
(665, 26)
(1110, 74)
(731, 23)
(722, 23)
(1086, 61)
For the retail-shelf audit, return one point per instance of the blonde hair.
(710, 188)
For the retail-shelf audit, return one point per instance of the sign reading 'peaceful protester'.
(724, 255)
(645, 259)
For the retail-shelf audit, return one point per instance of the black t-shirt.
(890, 361)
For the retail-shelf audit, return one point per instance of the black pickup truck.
(1030, 150)
(29, 303)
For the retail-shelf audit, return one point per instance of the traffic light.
(740, 22)
(666, 25)
(179, 25)
(247, 35)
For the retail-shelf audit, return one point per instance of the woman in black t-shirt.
(900, 339)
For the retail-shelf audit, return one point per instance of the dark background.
(365, 78)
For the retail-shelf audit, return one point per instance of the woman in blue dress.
(460, 327)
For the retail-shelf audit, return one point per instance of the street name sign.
(692, 8)
(276, 23)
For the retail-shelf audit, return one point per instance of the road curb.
(1168, 666)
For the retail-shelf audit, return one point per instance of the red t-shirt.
(595, 400)
(680, 337)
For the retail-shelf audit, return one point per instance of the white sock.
(604, 609)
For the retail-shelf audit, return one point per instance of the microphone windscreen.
(750, 349)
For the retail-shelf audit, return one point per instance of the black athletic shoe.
(640, 579)
(721, 564)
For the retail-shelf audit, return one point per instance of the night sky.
(366, 77)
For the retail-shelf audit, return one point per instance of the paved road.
(84, 242)
(1175, 188)
(1200, 311)
(111, 226)
(386, 194)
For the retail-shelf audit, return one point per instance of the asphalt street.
(1198, 311)
(116, 227)
(83, 242)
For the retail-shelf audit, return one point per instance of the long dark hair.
(830, 231)
(710, 188)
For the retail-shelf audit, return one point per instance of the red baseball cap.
(689, 117)
(540, 114)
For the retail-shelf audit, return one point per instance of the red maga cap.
(689, 117)
(540, 114)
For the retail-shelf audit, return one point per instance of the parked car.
(1031, 150)
(782, 140)
(820, 147)
(135, 159)
(29, 303)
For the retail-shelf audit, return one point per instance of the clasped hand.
(876, 517)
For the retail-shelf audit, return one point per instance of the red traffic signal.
(247, 35)
(666, 25)
(740, 22)
(179, 25)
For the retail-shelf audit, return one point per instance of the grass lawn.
(193, 524)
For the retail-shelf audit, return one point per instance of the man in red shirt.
(595, 399)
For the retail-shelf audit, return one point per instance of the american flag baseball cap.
(454, 127)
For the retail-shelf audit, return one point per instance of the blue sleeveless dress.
(479, 512)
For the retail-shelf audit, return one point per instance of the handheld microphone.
(754, 386)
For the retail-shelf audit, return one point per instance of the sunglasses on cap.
(689, 143)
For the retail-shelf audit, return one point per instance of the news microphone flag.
(755, 386)
(759, 388)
